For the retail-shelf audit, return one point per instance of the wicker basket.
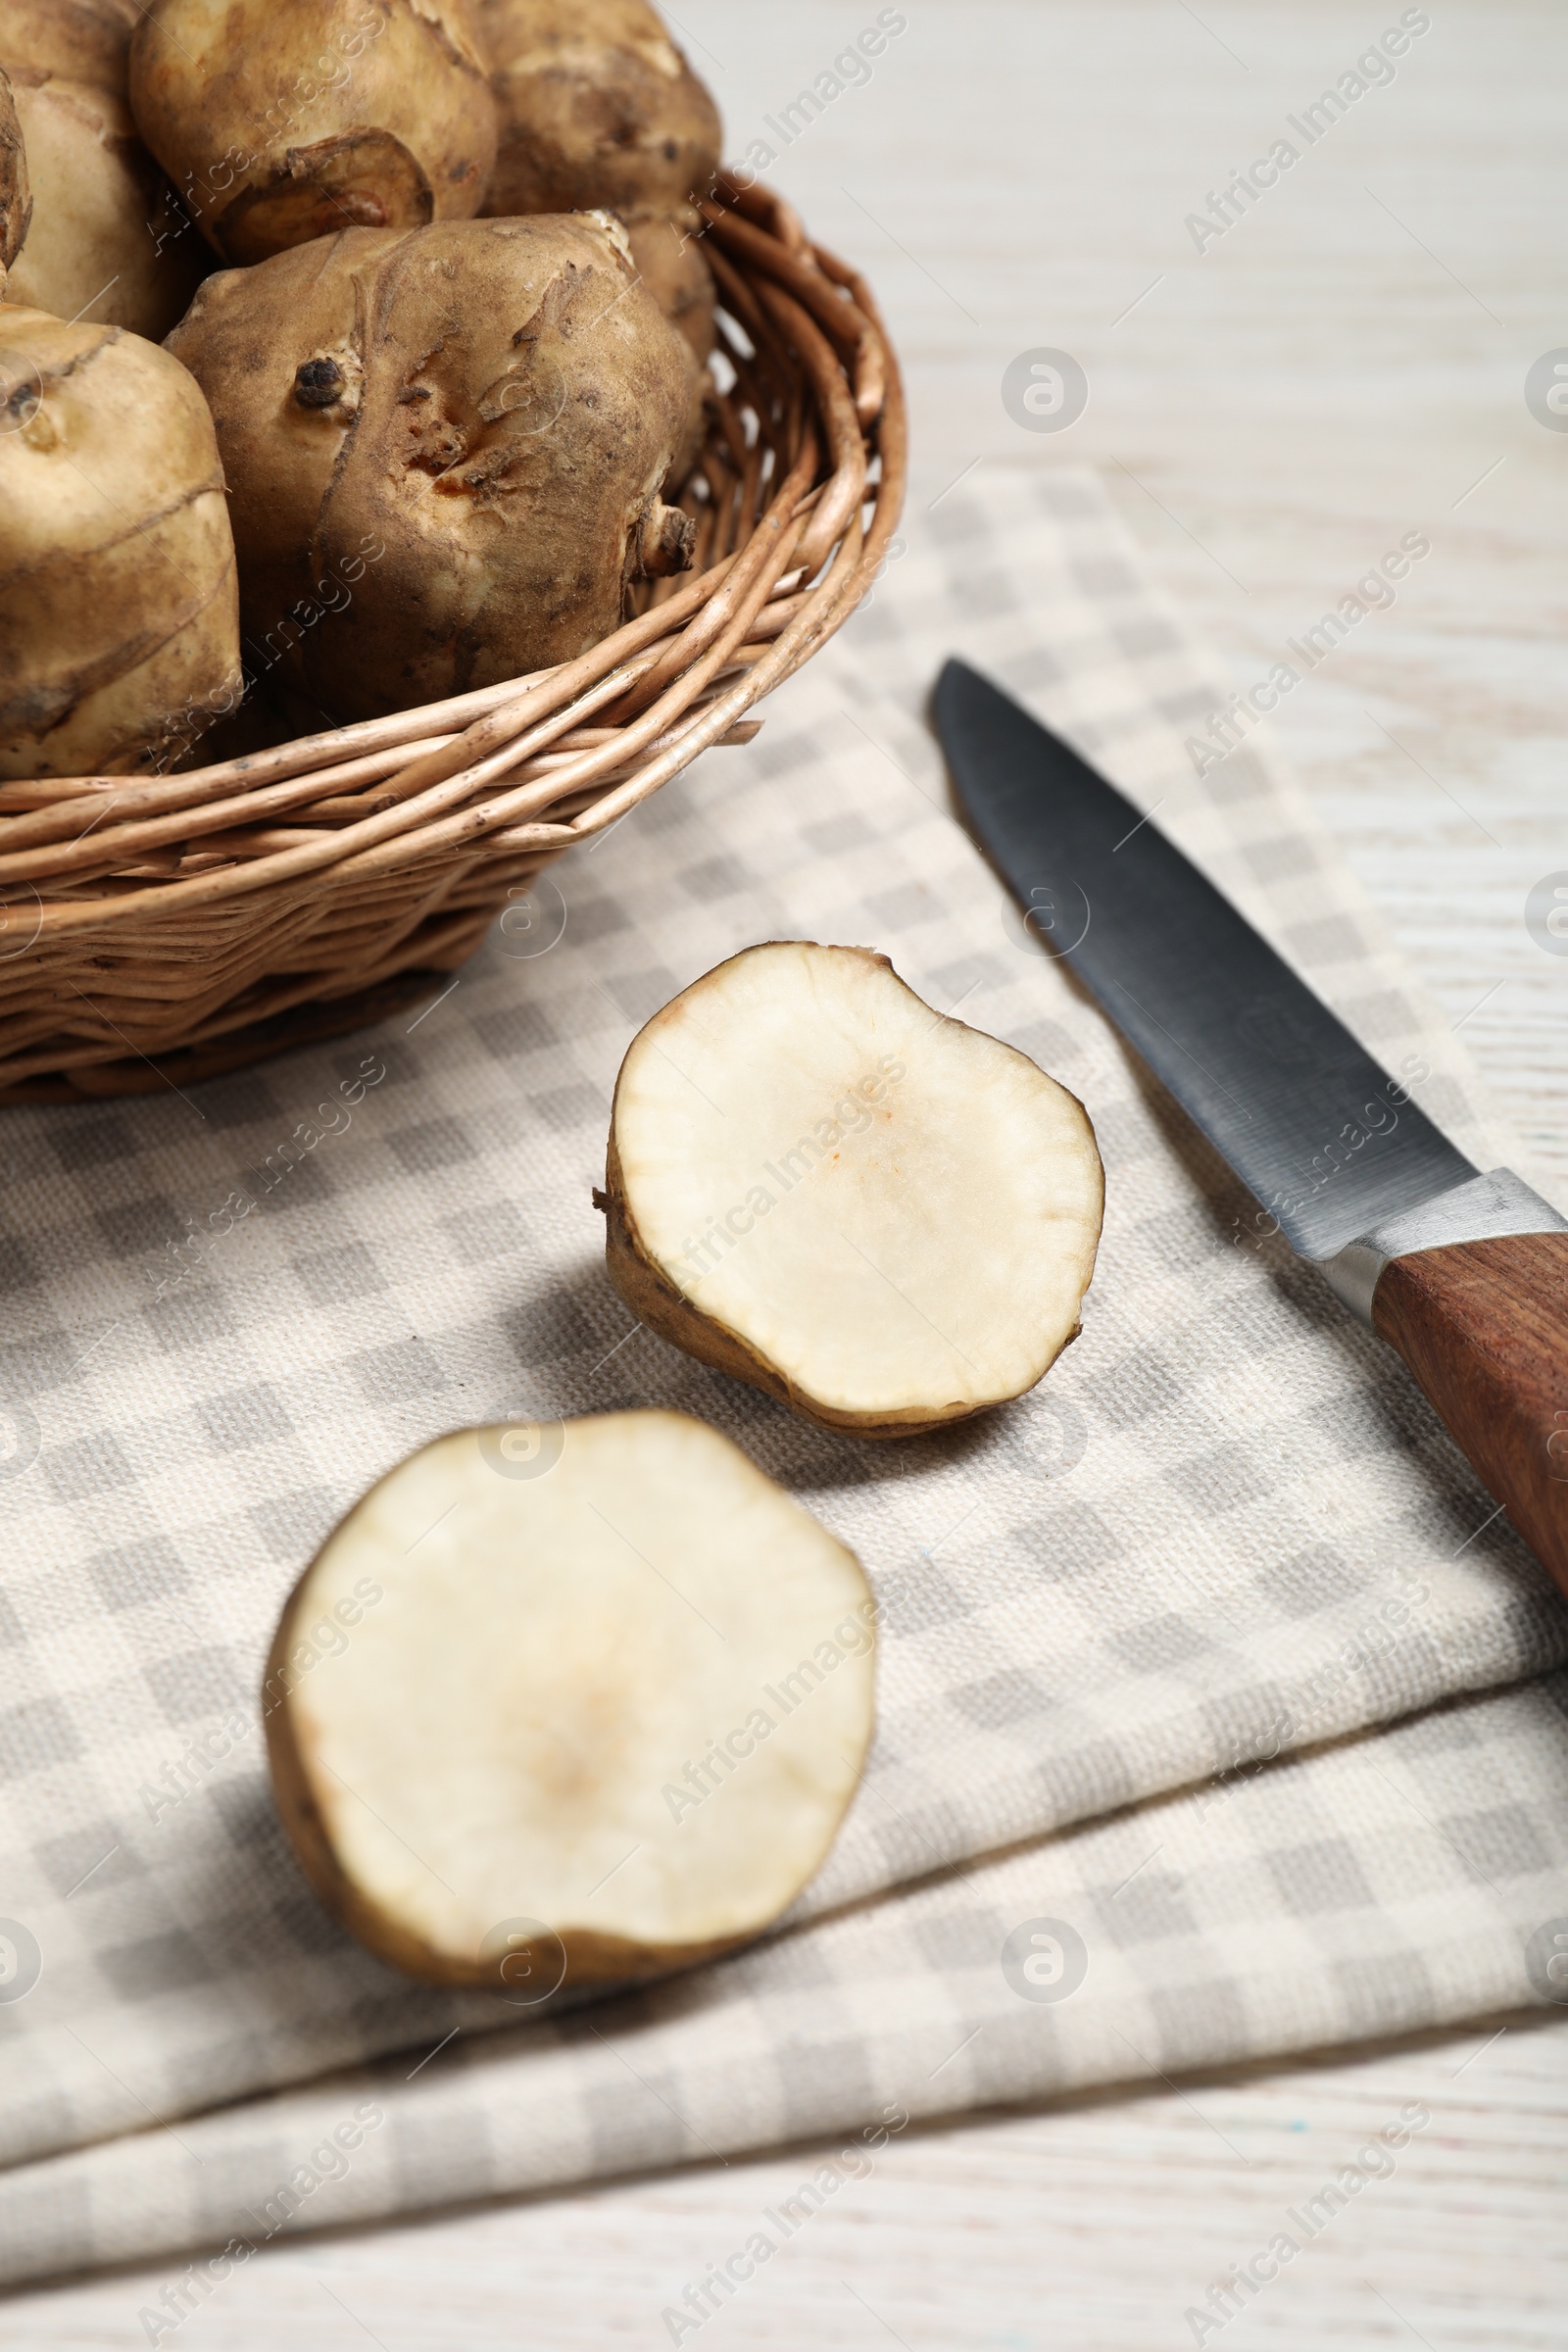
(156, 931)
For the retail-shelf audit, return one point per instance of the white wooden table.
(1345, 363)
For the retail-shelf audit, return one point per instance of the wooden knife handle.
(1483, 1328)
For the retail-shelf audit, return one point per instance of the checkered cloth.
(1394, 1881)
(1226, 1528)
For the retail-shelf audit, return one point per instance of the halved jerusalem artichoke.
(578, 1704)
(882, 1217)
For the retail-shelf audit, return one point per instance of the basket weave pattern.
(162, 928)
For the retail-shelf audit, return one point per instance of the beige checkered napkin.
(1225, 1525)
(1414, 1877)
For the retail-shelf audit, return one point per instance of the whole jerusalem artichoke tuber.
(108, 239)
(444, 450)
(281, 120)
(119, 610)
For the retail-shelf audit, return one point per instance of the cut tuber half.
(572, 1703)
(881, 1216)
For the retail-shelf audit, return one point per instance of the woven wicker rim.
(478, 793)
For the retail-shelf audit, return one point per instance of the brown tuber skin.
(16, 197)
(599, 107)
(118, 610)
(85, 41)
(470, 424)
(107, 237)
(486, 1789)
(675, 268)
(282, 121)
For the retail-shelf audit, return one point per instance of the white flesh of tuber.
(884, 1218)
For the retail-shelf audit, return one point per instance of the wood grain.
(1483, 1327)
(1090, 2225)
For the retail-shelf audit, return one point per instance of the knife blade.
(1465, 1272)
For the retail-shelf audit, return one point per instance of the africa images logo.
(1045, 1960)
(21, 1960)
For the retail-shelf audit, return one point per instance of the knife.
(1463, 1273)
